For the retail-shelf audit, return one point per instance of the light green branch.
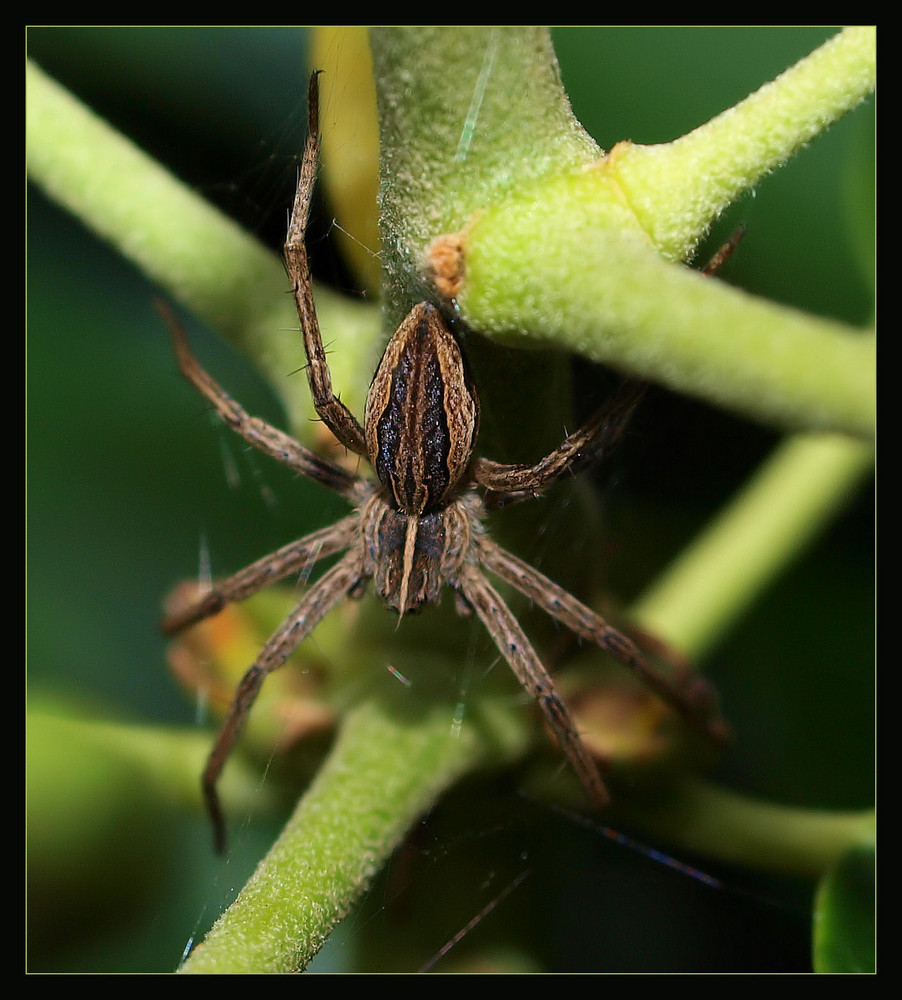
(793, 496)
(388, 767)
(198, 256)
(740, 830)
(677, 189)
(554, 266)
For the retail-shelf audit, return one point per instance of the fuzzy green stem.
(677, 189)
(387, 768)
(556, 243)
(555, 266)
(197, 255)
(467, 115)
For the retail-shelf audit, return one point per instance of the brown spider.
(421, 527)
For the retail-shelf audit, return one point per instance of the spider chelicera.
(420, 528)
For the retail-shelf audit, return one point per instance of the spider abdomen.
(422, 414)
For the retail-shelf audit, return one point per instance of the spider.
(420, 528)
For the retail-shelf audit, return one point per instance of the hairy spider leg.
(334, 414)
(295, 558)
(517, 650)
(316, 603)
(512, 483)
(263, 436)
(686, 692)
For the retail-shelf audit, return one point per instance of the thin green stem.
(717, 823)
(677, 189)
(794, 495)
(198, 256)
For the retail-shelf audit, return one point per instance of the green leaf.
(844, 924)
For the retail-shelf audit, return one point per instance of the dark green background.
(125, 476)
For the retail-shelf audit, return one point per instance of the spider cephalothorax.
(420, 528)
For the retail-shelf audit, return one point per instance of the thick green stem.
(467, 115)
(388, 767)
(556, 242)
(638, 312)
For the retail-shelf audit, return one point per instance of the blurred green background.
(128, 482)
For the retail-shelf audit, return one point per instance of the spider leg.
(263, 436)
(724, 253)
(687, 693)
(321, 598)
(294, 558)
(511, 483)
(335, 415)
(513, 645)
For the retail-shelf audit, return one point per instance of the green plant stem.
(676, 189)
(198, 256)
(740, 830)
(161, 763)
(384, 772)
(660, 320)
(793, 496)
(466, 117)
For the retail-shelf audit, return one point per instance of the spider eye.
(422, 413)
